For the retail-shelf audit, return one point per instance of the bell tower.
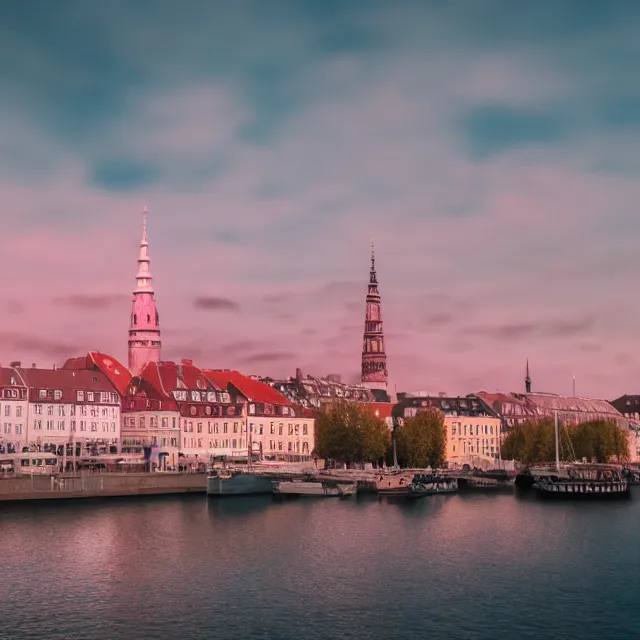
(374, 357)
(144, 329)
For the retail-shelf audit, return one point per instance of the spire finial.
(373, 255)
(527, 379)
(145, 211)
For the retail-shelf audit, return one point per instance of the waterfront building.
(172, 411)
(13, 410)
(144, 327)
(279, 429)
(473, 428)
(374, 357)
(68, 407)
(315, 392)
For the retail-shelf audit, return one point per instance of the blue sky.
(489, 147)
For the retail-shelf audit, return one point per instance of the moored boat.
(429, 485)
(311, 488)
(580, 481)
(236, 483)
(396, 484)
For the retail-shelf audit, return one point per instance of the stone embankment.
(104, 485)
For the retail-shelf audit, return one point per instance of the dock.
(102, 485)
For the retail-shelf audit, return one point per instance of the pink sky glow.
(260, 245)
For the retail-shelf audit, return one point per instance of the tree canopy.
(422, 440)
(347, 432)
(595, 440)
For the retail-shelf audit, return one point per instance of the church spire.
(527, 380)
(374, 358)
(144, 330)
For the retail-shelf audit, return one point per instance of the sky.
(490, 149)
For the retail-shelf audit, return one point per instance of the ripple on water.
(468, 567)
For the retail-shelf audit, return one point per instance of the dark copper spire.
(374, 358)
(527, 380)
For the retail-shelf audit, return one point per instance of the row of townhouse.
(172, 413)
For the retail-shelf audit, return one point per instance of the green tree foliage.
(422, 440)
(595, 440)
(347, 432)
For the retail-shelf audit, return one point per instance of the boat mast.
(556, 438)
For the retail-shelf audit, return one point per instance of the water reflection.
(458, 566)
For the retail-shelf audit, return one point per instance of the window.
(305, 429)
(60, 409)
(42, 394)
(57, 394)
(297, 429)
(105, 427)
(165, 423)
(7, 427)
(225, 427)
(18, 429)
(272, 429)
(60, 425)
(37, 408)
(83, 425)
(94, 426)
(7, 409)
(80, 396)
(210, 427)
(18, 412)
(234, 443)
(153, 421)
(235, 427)
(260, 430)
(453, 429)
(280, 429)
(141, 422)
(215, 427)
(105, 412)
(290, 429)
(50, 410)
(49, 425)
(90, 396)
(279, 445)
(174, 426)
(199, 427)
(73, 425)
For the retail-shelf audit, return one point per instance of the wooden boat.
(320, 489)
(576, 481)
(490, 480)
(429, 485)
(396, 484)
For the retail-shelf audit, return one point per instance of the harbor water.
(467, 567)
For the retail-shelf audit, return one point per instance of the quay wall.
(44, 487)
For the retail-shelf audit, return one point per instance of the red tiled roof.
(6, 375)
(164, 377)
(380, 409)
(252, 390)
(66, 380)
(117, 373)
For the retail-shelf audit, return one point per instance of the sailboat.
(576, 481)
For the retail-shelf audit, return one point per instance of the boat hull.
(579, 492)
(317, 489)
(241, 484)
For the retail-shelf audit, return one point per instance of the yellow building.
(473, 429)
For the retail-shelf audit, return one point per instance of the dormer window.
(90, 396)
(57, 394)
(80, 396)
(13, 381)
(42, 394)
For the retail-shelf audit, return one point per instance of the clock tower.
(144, 329)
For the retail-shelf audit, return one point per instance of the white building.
(13, 411)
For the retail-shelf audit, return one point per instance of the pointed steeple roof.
(143, 277)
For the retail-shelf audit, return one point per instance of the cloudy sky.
(489, 147)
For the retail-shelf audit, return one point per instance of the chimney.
(33, 365)
(187, 362)
(298, 374)
(54, 367)
(15, 364)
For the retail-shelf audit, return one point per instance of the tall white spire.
(143, 277)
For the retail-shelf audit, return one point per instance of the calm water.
(445, 567)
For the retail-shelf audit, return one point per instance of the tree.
(348, 432)
(422, 440)
(595, 440)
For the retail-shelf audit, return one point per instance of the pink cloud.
(480, 264)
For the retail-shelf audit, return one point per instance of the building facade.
(14, 403)
(278, 428)
(374, 357)
(473, 429)
(144, 327)
(77, 410)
